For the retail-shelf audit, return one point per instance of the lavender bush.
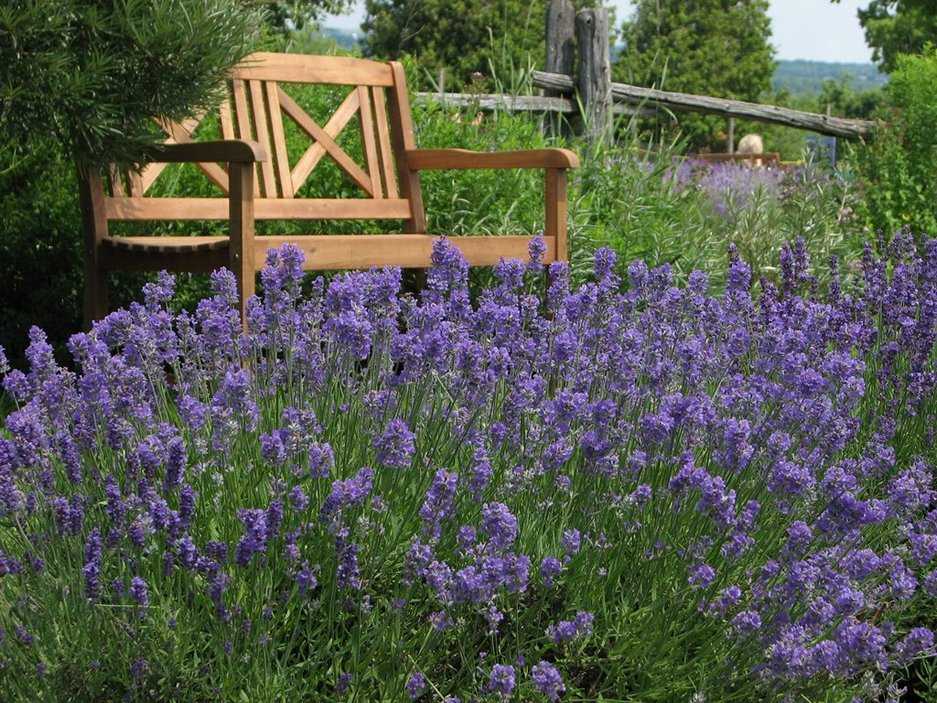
(545, 494)
(730, 187)
(663, 208)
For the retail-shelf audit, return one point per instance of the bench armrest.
(436, 159)
(223, 151)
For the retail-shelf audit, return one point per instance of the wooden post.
(401, 134)
(595, 71)
(556, 210)
(241, 247)
(731, 149)
(561, 43)
(94, 224)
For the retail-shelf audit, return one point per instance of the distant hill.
(342, 37)
(807, 77)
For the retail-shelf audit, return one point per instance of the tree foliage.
(285, 15)
(459, 35)
(93, 74)
(895, 27)
(708, 47)
(897, 168)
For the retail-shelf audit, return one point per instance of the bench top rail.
(257, 109)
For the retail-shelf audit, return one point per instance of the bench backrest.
(257, 107)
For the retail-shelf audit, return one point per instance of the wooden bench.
(250, 165)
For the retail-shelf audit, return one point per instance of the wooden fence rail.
(584, 89)
(489, 102)
(823, 124)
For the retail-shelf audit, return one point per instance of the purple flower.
(566, 630)
(347, 493)
(272, 448)
(641, 495)
(756, 437)
(274, 518)
(728, 598)
(502, 679)
(298, 499)
(344, 681)
(746, 622)
(187, 498)
(22, 635)
(918, 641)
(930, 584)
(550, 567)
(395, 446)
(306, 580)
(175, 462)
(254, 540)
(320, 459)
(139, 592)
(92, 566)
(923, 548)
(216, 590)
(861, 642)
(188, 554)
(535, 250)
(438, 503)
(440, 620)
(347, 574)
(139, 669)
(548, 680)
(415, 686)
(799, 535)
(466, 537)
(500, 526)
(702, 575)
(572, 541)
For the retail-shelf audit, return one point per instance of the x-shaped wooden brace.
(181, 133)
(325, 141)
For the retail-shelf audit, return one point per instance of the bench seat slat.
(167, 245)
(264, 209)
(340, 251)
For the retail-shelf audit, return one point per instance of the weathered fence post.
(561, 40)
(595, 71)
(441, 83)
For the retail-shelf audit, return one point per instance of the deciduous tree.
(708, 47)
(895, 27)
(285, 15)
(463, 36)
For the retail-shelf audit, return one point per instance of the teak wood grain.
(258, 180)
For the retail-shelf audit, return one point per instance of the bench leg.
(95, 304)
(94, 224)
(241, 204)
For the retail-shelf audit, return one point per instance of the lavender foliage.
(364, 481)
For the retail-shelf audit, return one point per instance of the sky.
(803, 29)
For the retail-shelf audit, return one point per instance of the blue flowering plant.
(626, 490)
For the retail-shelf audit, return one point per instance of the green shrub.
(897, 167)
(40, 247)
(93, 75)
(645, 204)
